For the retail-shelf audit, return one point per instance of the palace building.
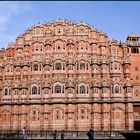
(64, 75)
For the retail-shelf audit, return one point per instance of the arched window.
(112, 89)
(58, 66)
(113, 50)
(82, 66)
(82, 89)
(34, 90)
(57, 89)
(38, 31)
(35, 67)
(6, 91)
(115, 66)
(8, 69)
(117, 89)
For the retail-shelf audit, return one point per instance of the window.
(82, 111)
(59, 30)
(115, 66)
(25, 69)
(6, 91)
(113, 50)
(95, 90)
(70, 67)
(81, 30)
(58, 66)
(136, 92)
(116, 89)
(104, 90)
(57, 89)
(128, 50)
(111, 66)
(34, 112)
(134, 50)
(112, 89)
(35, 67)
(58, 47)
(37, 31)
(82, 89)
(24, 91)
(128, 90)
(82, 66)
(46, 91)
(17, 69)
(16, 91)
(34, 90)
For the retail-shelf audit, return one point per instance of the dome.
(24, 85)
(46, 84)
(127, 84)
(16, 85)
(95, 84)
(70, 41)
(104, 84)
(47, 62)
(133, 35)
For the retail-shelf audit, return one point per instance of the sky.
(116, 19)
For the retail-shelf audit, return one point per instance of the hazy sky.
(117, 19)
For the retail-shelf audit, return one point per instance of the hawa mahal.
(63, 75)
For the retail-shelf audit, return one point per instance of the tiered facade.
(65, 76)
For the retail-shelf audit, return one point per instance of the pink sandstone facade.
(68, 76)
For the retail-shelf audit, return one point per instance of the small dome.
(46, 84)
(24, 85)
(47, 62)
(127, 84)
(104, 84)
(16, 85)
(95, 83)
(132, 35)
